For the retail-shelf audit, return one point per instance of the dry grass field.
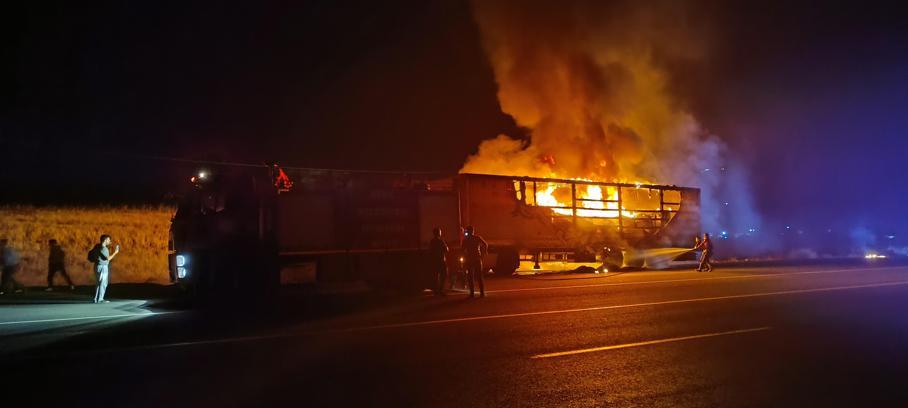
(140, 231)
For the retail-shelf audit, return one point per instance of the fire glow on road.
(647, 343)
(633, 305)
(768, 275)
(466, 319)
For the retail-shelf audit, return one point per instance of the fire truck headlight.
(182, 262)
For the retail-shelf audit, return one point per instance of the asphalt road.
(768, 336)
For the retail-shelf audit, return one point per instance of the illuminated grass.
(141, 232)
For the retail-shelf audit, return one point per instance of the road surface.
(762, 336)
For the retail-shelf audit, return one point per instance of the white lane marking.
(596, 285)
(193, 343)
(647, 343)
(590, 309)
(63, 319)
(475, 318)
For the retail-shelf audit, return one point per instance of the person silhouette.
(438, 251)
(56, 262)
(474, 248)
(101, 257)
(10, 264)
(706, 256)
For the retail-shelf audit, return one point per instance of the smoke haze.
(593, 84)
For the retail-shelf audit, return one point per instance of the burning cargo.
(375, 226)
(526, 217)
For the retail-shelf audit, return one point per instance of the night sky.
(812, 98)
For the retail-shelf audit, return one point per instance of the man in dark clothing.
(438, 251)
(9, 260)
(474, 248)
(56, 262)
(707, 246)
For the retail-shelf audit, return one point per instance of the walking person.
(706, 245)
(10, 264)
(474, 248)
(438, 251)
(100, 255)
(56, 262)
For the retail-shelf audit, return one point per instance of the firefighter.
(474, 248)
(438, 252)
(705, 257)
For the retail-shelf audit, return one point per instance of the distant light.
(638, 185)
(181, 273)
(181, 260)
(705, 170)
(788, 227)
(874, 256)
(890, 236)
(726, 203)
(202, 174)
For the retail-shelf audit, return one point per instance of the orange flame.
(590, 202)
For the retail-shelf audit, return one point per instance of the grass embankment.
(141, 232)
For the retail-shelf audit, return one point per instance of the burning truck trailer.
(528, 221)
(265, 226)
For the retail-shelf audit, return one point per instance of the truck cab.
(220, 235)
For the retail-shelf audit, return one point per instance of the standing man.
(56, 262)
(707, 246)
(101, 256)
(438, 251)
(10, 264)
(474, 248)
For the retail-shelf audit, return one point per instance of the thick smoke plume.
(593, 83)
(587, 80)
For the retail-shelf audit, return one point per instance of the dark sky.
(320, 84)
(811, 96)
